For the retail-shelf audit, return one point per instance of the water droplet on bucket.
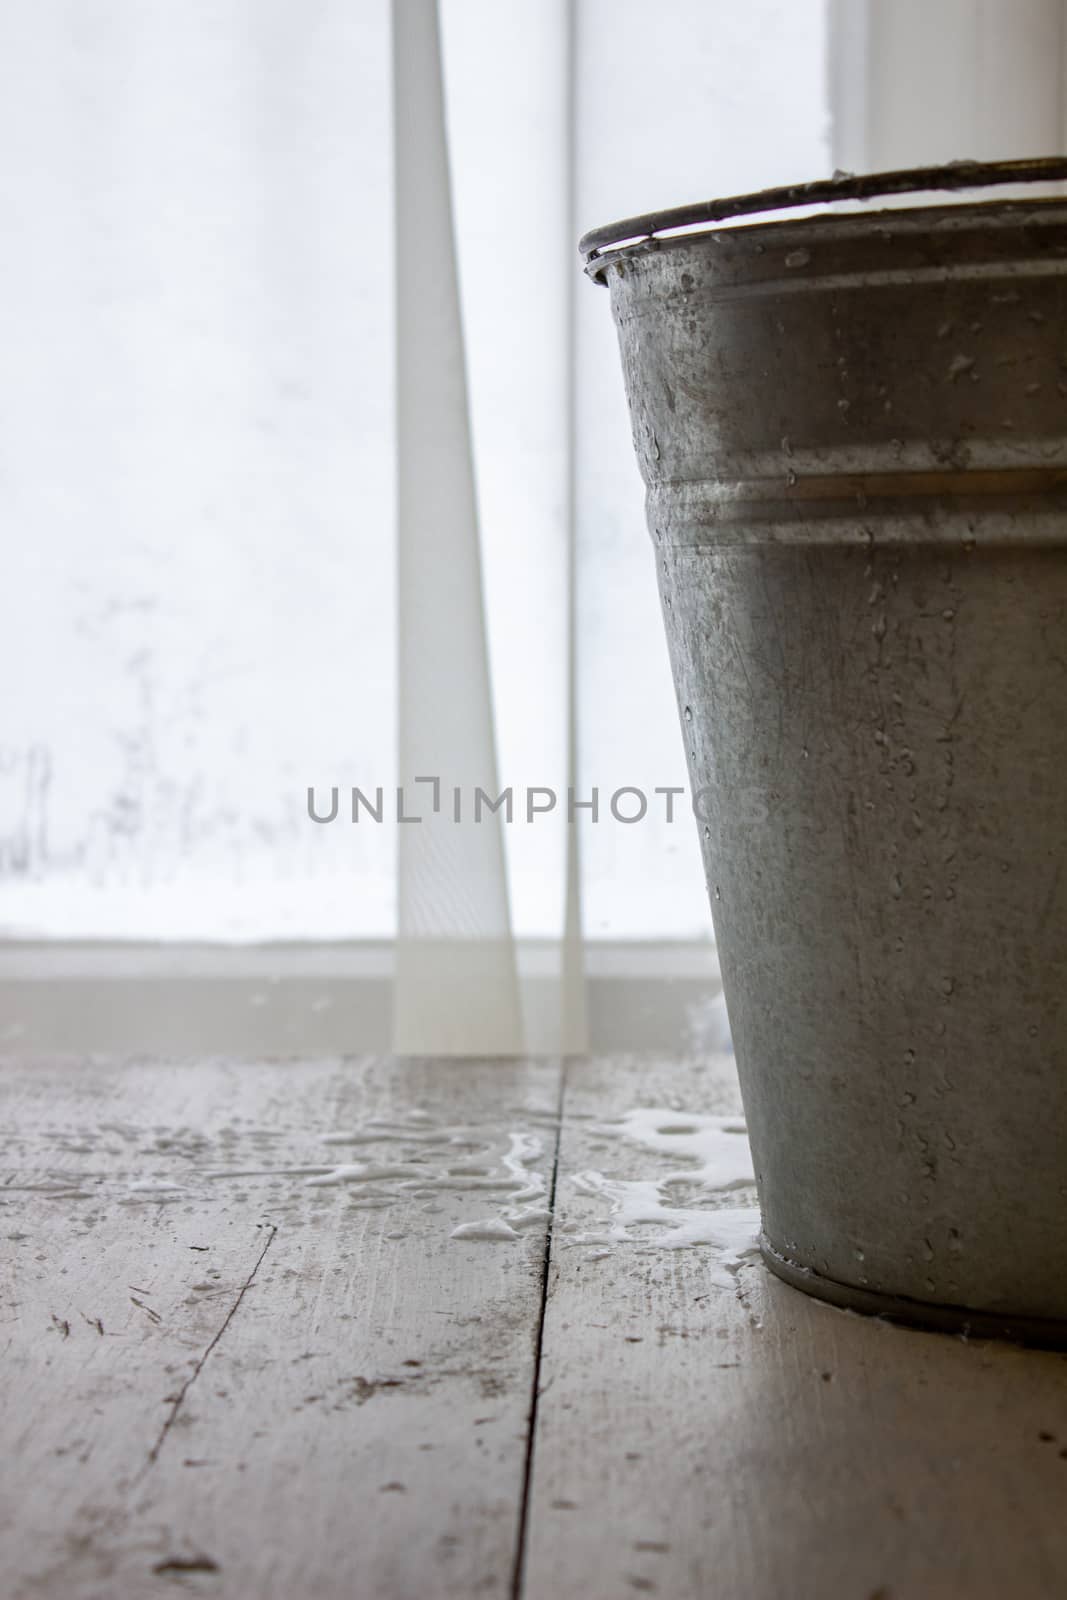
(798, 258)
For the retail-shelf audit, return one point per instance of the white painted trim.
(299, 999)
(55, 960)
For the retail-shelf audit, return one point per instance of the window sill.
(334, 998)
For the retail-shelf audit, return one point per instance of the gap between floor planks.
(247, 1386)
(683, 1437)
(697, 1437)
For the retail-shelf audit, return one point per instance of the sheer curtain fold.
(740, 100)
(211, 611)
(457, 986)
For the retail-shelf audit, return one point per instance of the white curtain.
(457, 987)
(917, 82)
(544, 133)
(898, 97)
(216, 359)
(293, 497)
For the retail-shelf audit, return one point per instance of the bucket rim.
(600, 244)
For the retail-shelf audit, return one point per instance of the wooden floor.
(245, 1354)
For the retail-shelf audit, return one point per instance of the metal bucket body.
(853, 431)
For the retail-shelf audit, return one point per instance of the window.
(196, 409)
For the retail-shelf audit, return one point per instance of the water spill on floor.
(664, 1178)
(449, 1159)
(699, 1193)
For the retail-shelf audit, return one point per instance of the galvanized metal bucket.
(853, 430)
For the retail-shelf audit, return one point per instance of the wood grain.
(220, 1380)
(748, 1443)
(245, 1386)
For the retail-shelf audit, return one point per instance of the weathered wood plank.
(192, 1399)
(220, 1378)
(707, 1432)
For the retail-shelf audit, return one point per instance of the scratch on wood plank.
(154, 1316)
(179, 1398)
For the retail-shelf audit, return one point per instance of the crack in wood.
(186, 1564)
(179, 1398)
(518, 1568)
